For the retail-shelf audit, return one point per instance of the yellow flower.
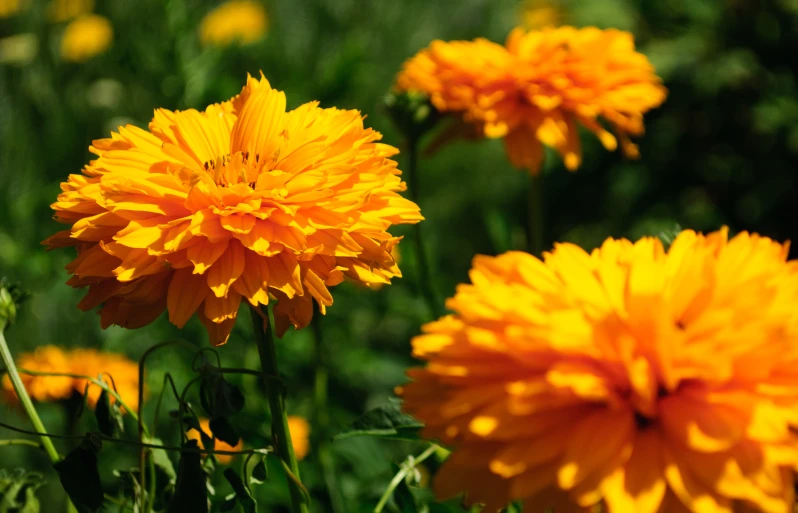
(630, 378)
(299, 429)
(115, 369)
(9, 8)
(538, 14)
(64, 10)
(223, 459)
(536, 89)
(85, 37)
(240, 201)
(236, 21)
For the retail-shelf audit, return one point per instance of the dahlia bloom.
(534, 90)
(85, 37)
(236, 21)
(240, 201)
(115, 369)
(629, 378)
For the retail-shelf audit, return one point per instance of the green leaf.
(223, 430)
(229, 503)
(219, 398)
(260, 473)
(405, 499)
(102, 412)
(161, 458)
(668, 236)
(31, 502)
(79, 475)
(387, 421)
(243, 494)
(190, 492)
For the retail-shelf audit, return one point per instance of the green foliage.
(190, 492)
(241, 492)
(18, 491)
(387, 421)
(80, 477)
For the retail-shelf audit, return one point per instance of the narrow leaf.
(190, 492)
(387, 421)
(79, 475)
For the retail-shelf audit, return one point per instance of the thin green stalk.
(24, 398)
(29, 443)
(397, 479)
(276, 394)
(322, 419)
(424, 274)
(535, 210)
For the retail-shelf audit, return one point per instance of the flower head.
(64, 10)
(240, 201)
(632, 377)
(236, 21)
(219, 445)
(299, 430)
(536, 89)
(115, 369)
(85, 37)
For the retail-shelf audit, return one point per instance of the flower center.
(238, 167)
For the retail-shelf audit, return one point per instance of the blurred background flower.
(236, 21)
(538, 14)
(205, 425)
(85, 37)
(64, 10)
(12, 7)
(300, 433)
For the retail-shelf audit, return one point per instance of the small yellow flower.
(299, 430)
(85, 37)
(9, 8)
(223, 459)
(64, 10)
(115, 368)
(628, 379)
(538, 14)
(241, 21)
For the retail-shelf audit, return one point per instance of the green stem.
(29, 443)
(24, 398)
(397, 479)
(322, 420)
(535, 210)
(276, 394)
(424, 274)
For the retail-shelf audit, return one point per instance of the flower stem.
(276, 394)
(322, 419)
(422, 264)
(399, 477)
(24, 398)
(535, 211)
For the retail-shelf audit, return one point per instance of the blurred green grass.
(722, 150)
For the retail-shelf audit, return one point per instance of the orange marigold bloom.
(631, 377)
(240, 201)
(299, 430)
(223, 459)
(534, 90)
(115, 369)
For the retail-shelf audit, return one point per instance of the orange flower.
(241, 201)
(299, 430)
(534, 90)
(236, 21)
(115, 369)
(223, 459)
(631, 377)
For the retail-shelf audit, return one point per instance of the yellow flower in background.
(9, 8)
(236, 21)
(299, 429)
(223, 459)
(86, 37)
(115, 368)
(241, 201)
(538, 14)
(631, 378)
(64, 10)
(536, 89)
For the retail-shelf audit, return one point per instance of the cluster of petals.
(539, 86)
(627, 379)
(113, 368)
(243, 200)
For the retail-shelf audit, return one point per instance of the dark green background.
(722, 150)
